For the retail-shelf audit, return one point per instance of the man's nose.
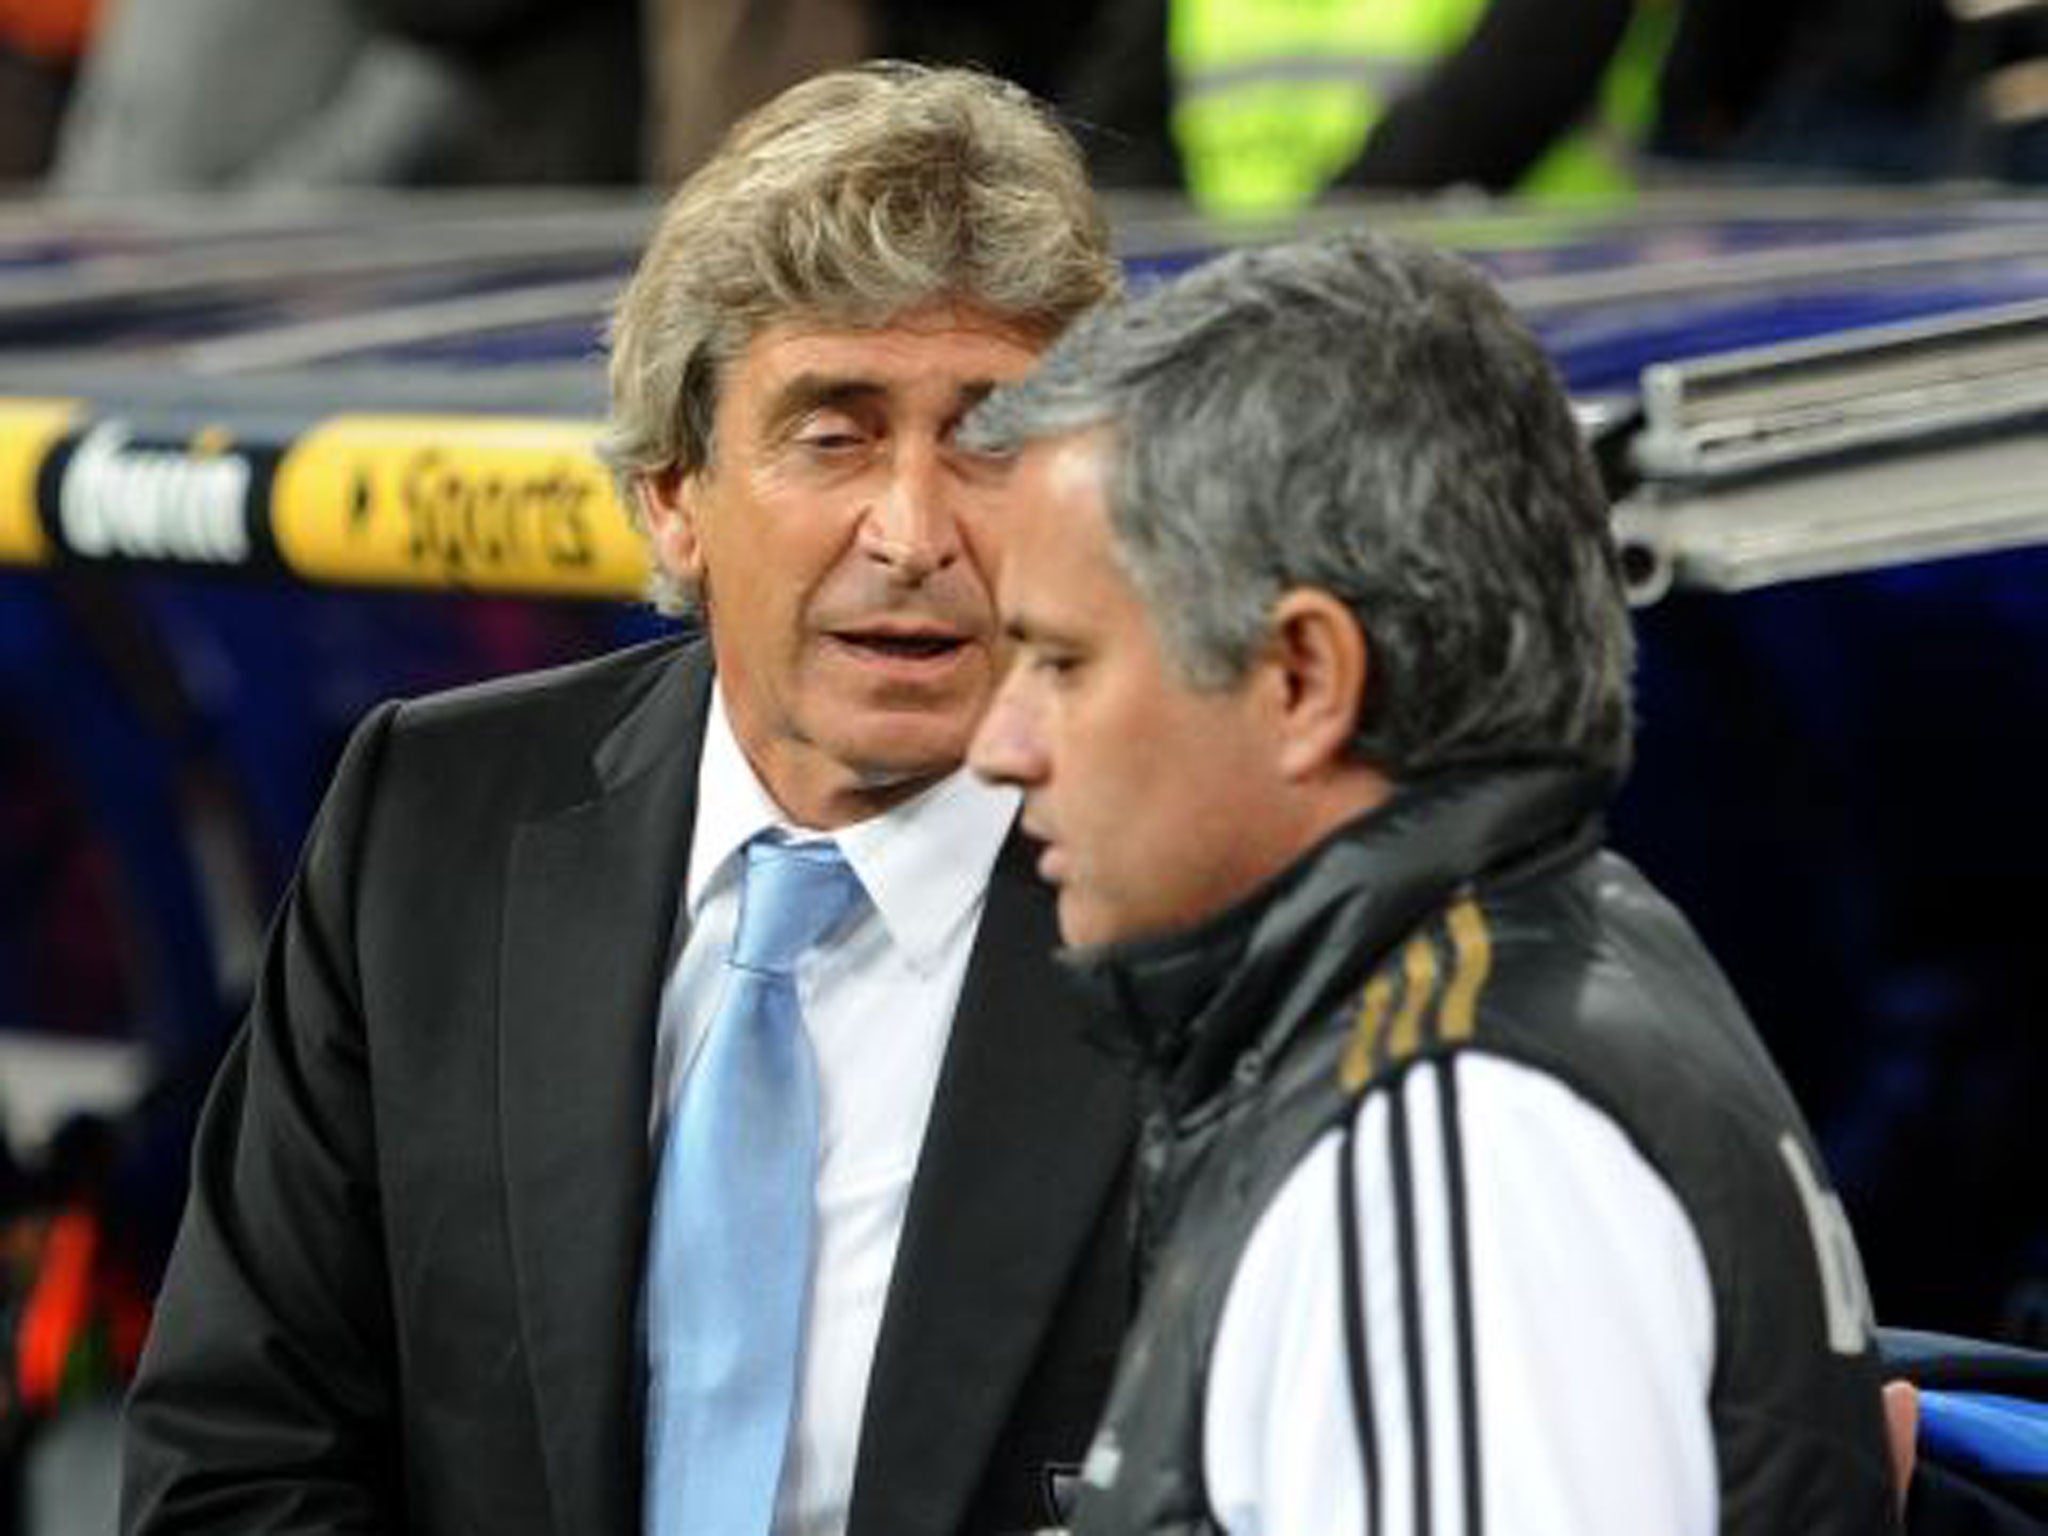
(1007, 747)
(912, 527)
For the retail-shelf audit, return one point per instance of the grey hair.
(846, 201)
(1366, 417)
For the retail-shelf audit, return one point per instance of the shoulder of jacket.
(517, 698)
(1424, 996)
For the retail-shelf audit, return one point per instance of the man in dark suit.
(421, 1282)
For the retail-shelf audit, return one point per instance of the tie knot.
(791, 897)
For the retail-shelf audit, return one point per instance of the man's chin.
(1085, 924)
(1089, 921)
(905, 754)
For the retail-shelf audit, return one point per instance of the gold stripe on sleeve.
(1418, 988)
(1472, 963)
(1356, 1069)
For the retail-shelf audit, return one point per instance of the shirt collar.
(924, 863)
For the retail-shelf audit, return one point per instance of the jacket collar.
(1185, 1006)
(664, 726)
(591, 895)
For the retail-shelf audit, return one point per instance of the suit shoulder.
(524, 744)
(601, 686)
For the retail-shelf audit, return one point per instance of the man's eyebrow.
(1028, 629)
(807, 392)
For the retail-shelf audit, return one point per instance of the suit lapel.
(1028, 1131)
(589, 914)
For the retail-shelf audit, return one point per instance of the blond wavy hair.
(845, 201)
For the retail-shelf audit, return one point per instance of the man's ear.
(668, 500)
(1319, 660)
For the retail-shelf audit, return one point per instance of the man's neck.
(825, 796)
(813, 789)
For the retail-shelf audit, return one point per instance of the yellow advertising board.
(29, 429)
(483, 502)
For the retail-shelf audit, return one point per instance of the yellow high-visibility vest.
(1274, 98)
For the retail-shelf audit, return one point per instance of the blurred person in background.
(1258, 110)
(185, 95)
(1273, 105)
(509, 92)
(712, 60)
(1879, 90)
(2011, 42)
(72, 1318)
(15, 1270)
(41, 44)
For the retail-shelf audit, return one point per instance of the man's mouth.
(1051, 862)
(905, 646)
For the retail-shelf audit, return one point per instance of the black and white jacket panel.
(1512, 1229)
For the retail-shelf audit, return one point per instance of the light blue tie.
(729, 1254)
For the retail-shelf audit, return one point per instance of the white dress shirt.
(878, 998)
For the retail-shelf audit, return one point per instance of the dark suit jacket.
(405, 1293)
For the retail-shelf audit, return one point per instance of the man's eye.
(1057, 665)
(976, 452)
(830, 432)
(830, 441)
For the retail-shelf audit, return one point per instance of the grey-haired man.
(1470, 1199)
